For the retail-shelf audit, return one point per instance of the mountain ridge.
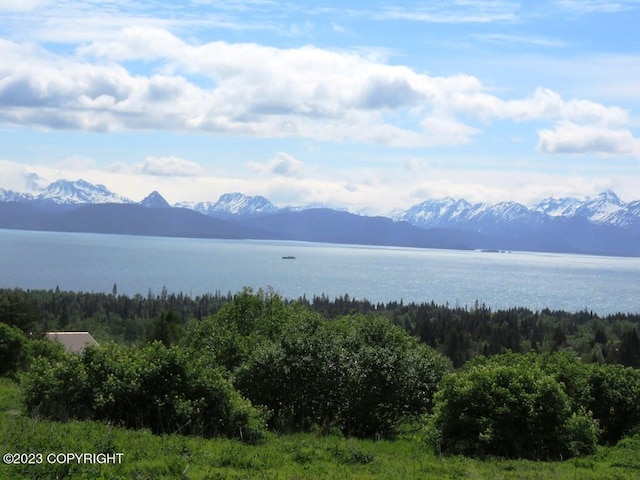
(602, 224)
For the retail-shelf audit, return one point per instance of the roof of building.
(72, 341)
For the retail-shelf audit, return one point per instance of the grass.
(287, 457)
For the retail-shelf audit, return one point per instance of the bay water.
(97, 262)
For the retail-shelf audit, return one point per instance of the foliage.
(13, 350)
(459, 332)
(141, 387)
(228, 337)
(298, 456)
(166, 328)
(360, 374)
(326, 365)
(615, 391)
(509, 406)
(40, 347)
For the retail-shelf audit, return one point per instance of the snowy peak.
(154, 200)
(558, 207)
(233, 205)
(508, 212)
(67, 192)
(450, 213)
(238, 204)
(432, 213)
(11, 196)
(600, 208)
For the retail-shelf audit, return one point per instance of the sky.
(368, 106)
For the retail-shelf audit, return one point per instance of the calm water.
(94, 262)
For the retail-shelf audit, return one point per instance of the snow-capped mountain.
(558, 207)
(12, 196)
(626, 217)
(603, 209)
(602, 224)
(154, 200)
(233, 205)
(66, 192)
(599, 209)
(505, 214)
(481, 217)
(434, 213)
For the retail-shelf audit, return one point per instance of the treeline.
(460, 333)
(262, 363)
(259, 363)
(109, 317)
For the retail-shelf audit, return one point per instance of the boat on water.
(289, 257)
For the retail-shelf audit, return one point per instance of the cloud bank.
(247, 89)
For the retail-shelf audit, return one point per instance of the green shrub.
(13, 350)
(363, 375)
(46, 348)
(152, 387)
(508, 407)
(582, 434)
(615, 391)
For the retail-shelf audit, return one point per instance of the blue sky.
(368, 106)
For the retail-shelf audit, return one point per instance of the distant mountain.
(627, 217)
(11, 196)
(596, 225)
(128, 219)
(558, 207)
(332, 226)
(602, 224)
(231, 205)
(435, 213)
(65, 193)
(79, 192)
(462, 215)
(154, 200)
(599, 209)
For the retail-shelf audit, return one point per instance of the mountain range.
(602, 224)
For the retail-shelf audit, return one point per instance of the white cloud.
(169, 167)
(75, 162)
(252, 90)
(509, 39)
(467, 11)
(21, 5)
(596, 6)
(283, 164)
(570, 138)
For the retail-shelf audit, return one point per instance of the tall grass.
(288, 457)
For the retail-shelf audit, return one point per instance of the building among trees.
(72, 341)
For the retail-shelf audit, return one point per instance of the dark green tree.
(615, 391)
(13, 350)
(508, 406)
(141, 387)
(166, 329)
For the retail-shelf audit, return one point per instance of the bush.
(13, 350)
(615, 391)
(509, 407)
(363, 375)
(46, 348)
(152, 387)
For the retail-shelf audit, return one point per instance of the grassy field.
(299, 456)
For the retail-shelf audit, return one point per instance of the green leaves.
(13, 349)
(361, 374)
(142, 387)
(509, 406)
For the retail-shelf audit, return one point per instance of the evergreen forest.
(256, 368)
